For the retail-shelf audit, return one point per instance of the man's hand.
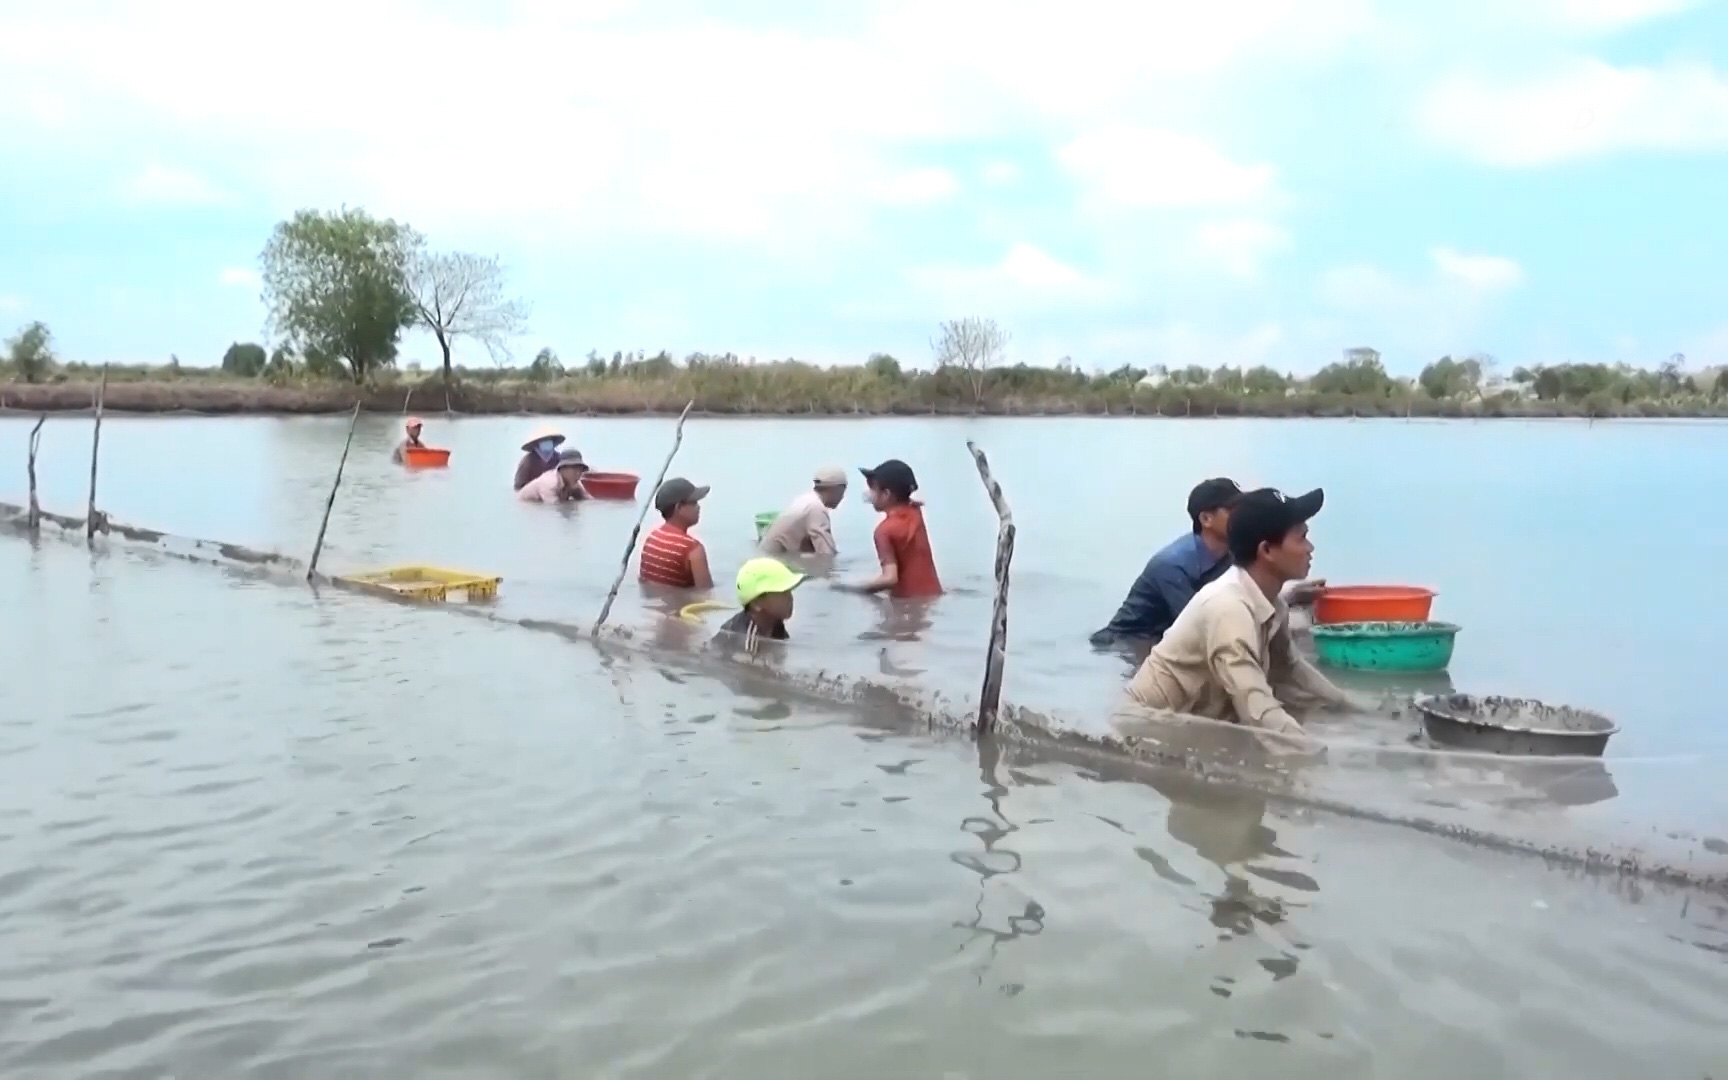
(1303, 593)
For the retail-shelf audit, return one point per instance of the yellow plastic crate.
(430, 583)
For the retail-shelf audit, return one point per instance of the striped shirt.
(666, 557)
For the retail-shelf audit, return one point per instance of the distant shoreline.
(210, 397)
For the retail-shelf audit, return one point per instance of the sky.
(1133, 182)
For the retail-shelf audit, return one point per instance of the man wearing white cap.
(804, 528)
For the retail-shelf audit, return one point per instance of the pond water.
(313, 834)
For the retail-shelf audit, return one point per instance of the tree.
(1449, 378)
(246, 361)
(31, 353)
(971, 346)
(883, 366)
(1361, 374)
(457, 294)
(1264, 380)
(336, 286)
(545, 367)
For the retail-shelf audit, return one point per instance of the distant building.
(1362, 355)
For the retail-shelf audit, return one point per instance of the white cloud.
(11, 303)
(918, 187)
(1027, 276)
(1483, 273)
(1600, 14)
(1240, 246)
(1143, 168)
(239, 276)
(1001, 173)
(1578, 109)
(159, 184)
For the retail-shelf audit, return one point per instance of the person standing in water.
(765, 591)
(902, 542)
(670, 555)
(804, 527)
(539, 455)
(412, 426)
(1228, 656)
(562, 484)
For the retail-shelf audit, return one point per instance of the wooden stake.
(95, 449)
(330, 504)
(630, 548)
(35, 518)
(990, 697)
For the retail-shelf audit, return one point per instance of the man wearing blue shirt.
(1176, 573)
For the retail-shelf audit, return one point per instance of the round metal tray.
(1502, 725)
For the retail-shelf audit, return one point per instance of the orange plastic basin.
(1373, 603)
(425, 457)
(610, 485)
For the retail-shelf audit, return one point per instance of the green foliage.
(883, 366)
(336, 287)
(545, 366)
(245, 360)
(1360, 375)
(31, 352)
(1449, 378)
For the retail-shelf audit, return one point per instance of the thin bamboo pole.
(635, 533)
(95, 451)
(35, 515)
(330, 504)
(990, 697)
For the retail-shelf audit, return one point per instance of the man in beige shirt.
(1228, 656)
(803, 528)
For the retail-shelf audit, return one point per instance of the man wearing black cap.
(670, 555)
(902, 542)
(1230, 650)
(1176, 573)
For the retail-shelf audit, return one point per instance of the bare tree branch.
(971, 346)
(461, 295)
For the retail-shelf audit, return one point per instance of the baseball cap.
(1265, 516)
(413, 422)
(893, 475)
(759, 577)
(831, 476)
(1214, 494)
(675, 491)
(571, 457)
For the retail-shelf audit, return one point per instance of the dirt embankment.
(623, 397)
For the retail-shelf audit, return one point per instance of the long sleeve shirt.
(1163, 589)
(803, 528)
(1229, 656)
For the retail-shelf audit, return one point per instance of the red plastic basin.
(1373, 603)
(610, 485)
(425, 457)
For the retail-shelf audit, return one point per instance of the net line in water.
(1018, 730)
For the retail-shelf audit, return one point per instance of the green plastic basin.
(1386, 646)
(764, 521)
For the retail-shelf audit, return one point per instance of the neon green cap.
(758, 577)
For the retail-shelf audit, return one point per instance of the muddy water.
(318, 835)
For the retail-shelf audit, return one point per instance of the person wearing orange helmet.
(412, 426)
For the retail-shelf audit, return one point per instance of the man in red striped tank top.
(670, 555)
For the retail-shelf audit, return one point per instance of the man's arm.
(1172, 585)
(890, 575)
(1231, 655)
(699, 568)
(820, 534)
(1290, 668)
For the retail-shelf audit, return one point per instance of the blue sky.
(1267, 181)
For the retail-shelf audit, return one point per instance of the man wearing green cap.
(765, 593)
